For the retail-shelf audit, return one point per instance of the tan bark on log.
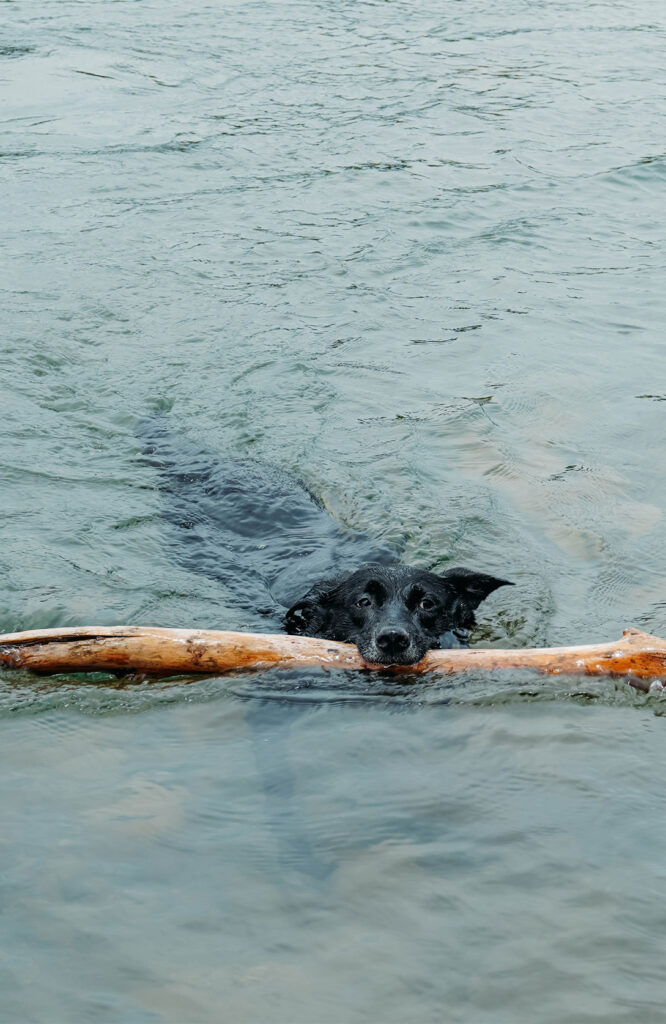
(638, 656)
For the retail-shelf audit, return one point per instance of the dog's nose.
(393, 641)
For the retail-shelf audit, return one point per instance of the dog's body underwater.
(266, 539)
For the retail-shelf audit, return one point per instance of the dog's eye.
(363, 602)
(427, 604)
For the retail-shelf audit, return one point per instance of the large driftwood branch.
(639, 657)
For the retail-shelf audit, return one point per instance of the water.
(414, 254)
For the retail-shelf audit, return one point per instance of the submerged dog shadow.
(277, 704)
(280, 707)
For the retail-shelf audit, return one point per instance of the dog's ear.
(300, 619)
(473, 587)
(309, 615)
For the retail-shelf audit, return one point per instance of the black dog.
(393, 614)
(266, 539)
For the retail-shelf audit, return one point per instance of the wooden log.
(639, 657)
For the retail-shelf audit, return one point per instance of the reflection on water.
(411, 254)
(256, 852)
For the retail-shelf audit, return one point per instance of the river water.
(412, 252)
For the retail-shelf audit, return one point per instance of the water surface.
(412, 253)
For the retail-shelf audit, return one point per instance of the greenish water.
(414, 254)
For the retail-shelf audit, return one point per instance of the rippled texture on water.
(412, 253)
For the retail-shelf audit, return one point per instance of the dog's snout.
(393, 641)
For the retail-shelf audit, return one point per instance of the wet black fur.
(394, 614)
(262, 536)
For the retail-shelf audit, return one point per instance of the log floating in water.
(639, 657)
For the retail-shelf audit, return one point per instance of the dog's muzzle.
(392, 647)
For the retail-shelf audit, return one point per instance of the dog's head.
(393, 614)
